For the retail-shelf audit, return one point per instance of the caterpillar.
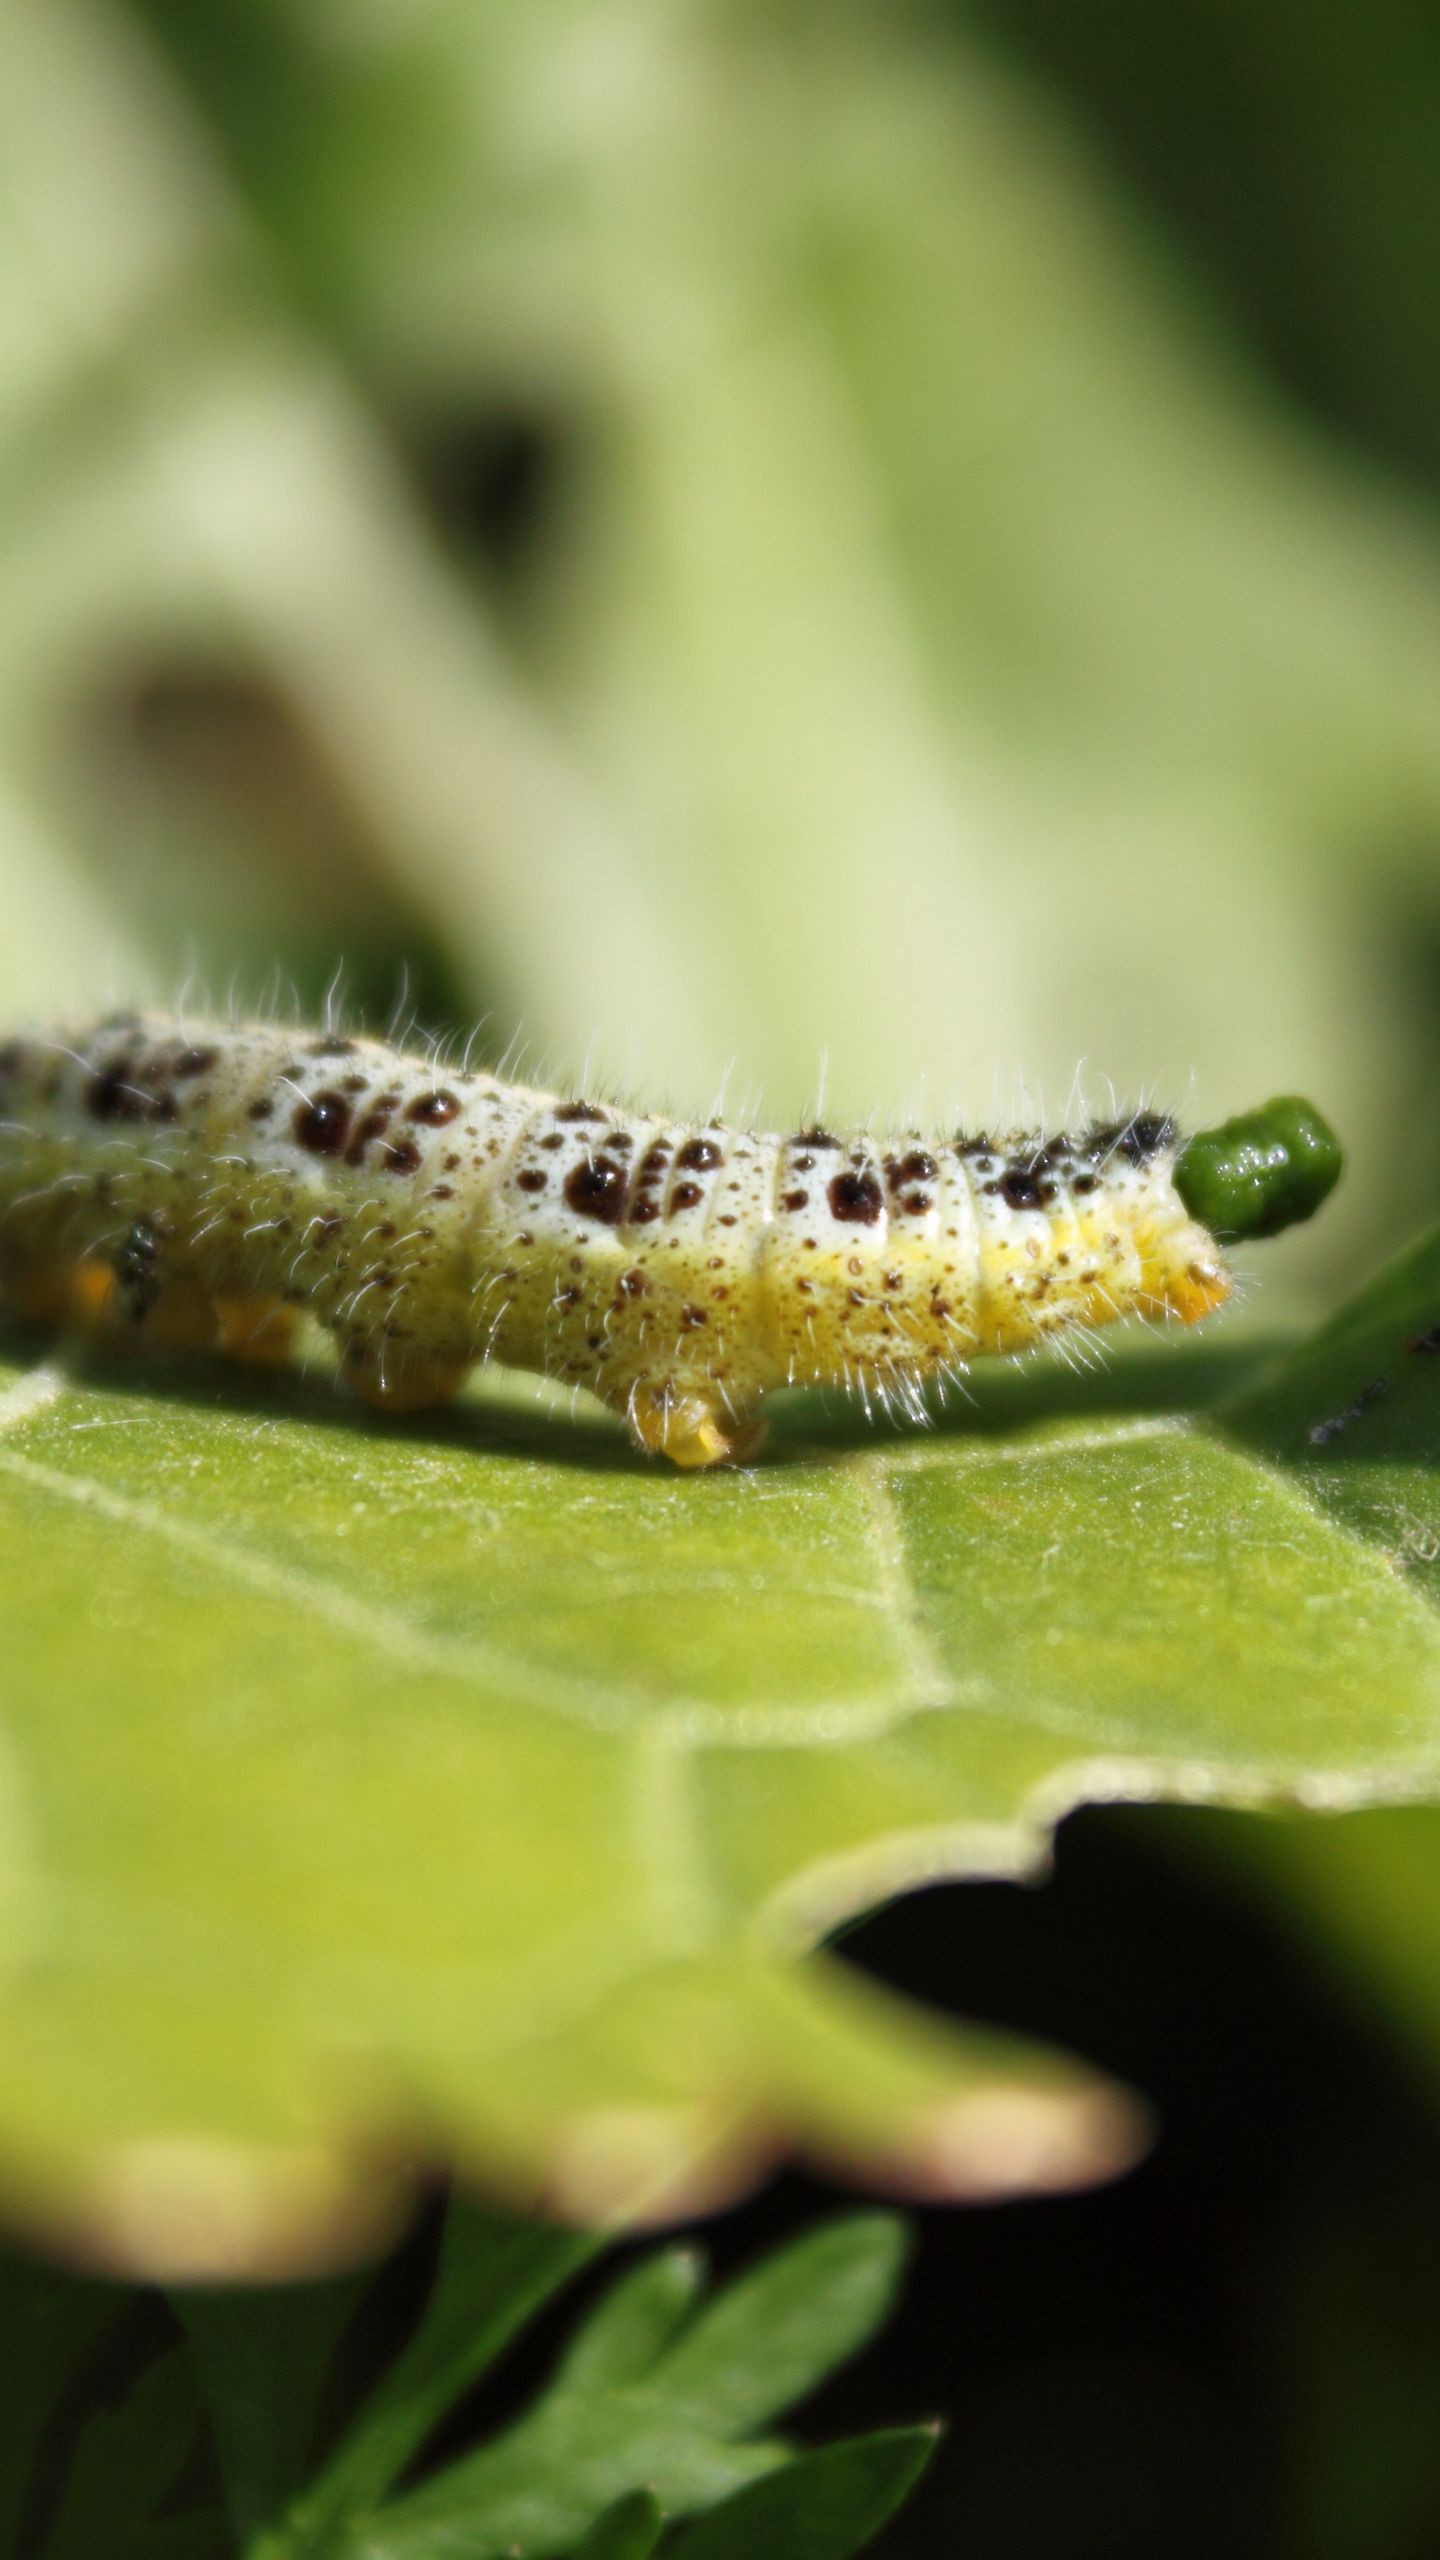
(212, 1182)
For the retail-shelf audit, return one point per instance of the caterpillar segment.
(212, 1184)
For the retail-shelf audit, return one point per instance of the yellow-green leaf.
(474, 1790)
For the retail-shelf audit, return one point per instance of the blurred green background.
(722, 536)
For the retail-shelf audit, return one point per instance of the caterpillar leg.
(182, 1317)
(1195, 1291)
(93, 1295)
(379, 1375)
(689, 1429)
(261, 1329)
(150, 1291)
(58, 1293)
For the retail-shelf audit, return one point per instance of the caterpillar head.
(1267, 1170)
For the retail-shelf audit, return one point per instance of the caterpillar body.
(211, 1182)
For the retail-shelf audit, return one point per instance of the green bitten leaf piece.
(474, 1787)
(1255, 1176)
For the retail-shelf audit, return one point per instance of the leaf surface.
(475, 1788)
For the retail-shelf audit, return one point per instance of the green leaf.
(493, 2274)
(633, 2324)
(643, 2416)
(624, 2408)
(475, 1777)
(821, 2507)
(262, 2360)
(773, 2335)
(1356, 1414)
(537, 2492)
(48, 2325)
(1354, 1417)
(125, 2467)
(627, 2531)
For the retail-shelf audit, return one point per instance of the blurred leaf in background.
(715, 532)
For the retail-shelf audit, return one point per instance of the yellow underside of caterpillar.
(684, 1346)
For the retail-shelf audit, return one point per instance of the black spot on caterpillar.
(211, 1185)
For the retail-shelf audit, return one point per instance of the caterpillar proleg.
(212, 1182)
